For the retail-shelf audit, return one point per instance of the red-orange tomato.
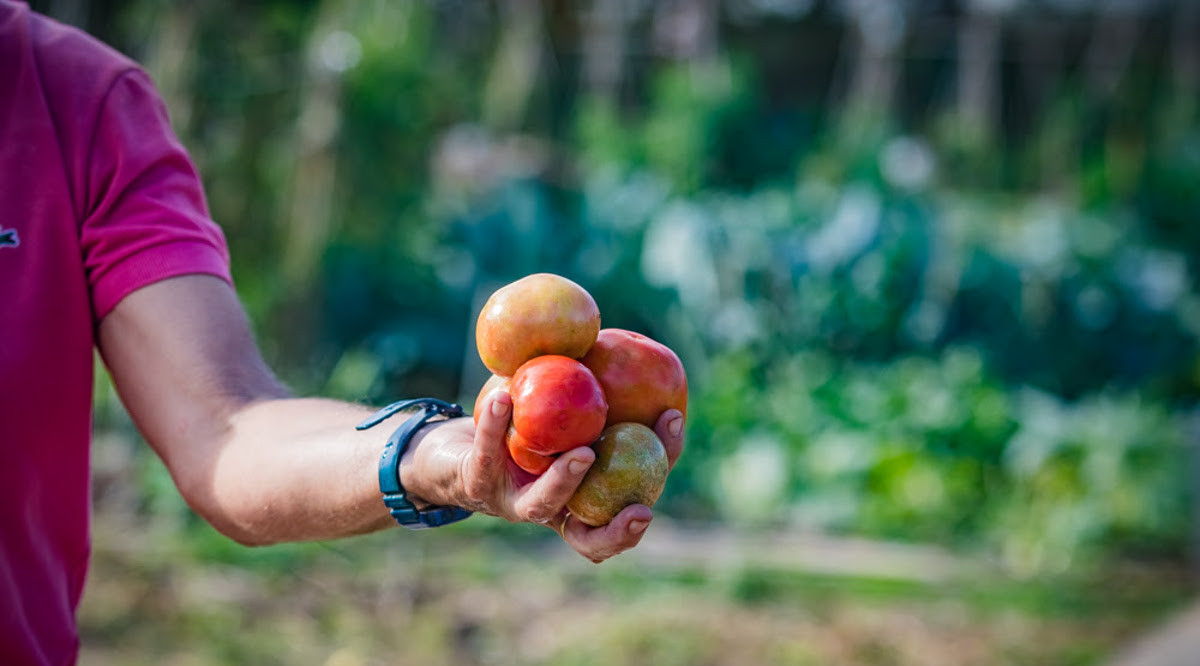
(540, 314)
(641, 378)
(518, 450)
(522, 451)
(518, 446)
(557, 404)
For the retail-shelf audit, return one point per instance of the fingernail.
(577, 466)
(638, 526)
(675, 426)
(499, 407)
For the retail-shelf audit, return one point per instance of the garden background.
(930, 266)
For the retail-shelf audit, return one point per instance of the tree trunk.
(170, 58)
(308, 214)
(878, 28)
(978, 69)
(1111, 48)
(687, 29)
(515, 66)
(1185, 53)
(605, 26)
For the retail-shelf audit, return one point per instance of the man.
(106, 243)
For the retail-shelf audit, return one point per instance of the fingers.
(545, 498)
(626, 529)
(486, 474)
(670, 430)
(487, 463)
(619, 535)
(494, 419)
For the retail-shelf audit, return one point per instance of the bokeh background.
(931, 266)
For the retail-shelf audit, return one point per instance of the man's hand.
(456, 463)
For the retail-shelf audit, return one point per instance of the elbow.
(236, 517)
(243, 527)
(247, 539)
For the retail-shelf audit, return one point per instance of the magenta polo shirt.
(97, 198)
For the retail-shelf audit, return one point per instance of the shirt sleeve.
(146, 218)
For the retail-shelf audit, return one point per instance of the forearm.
(289, 470)
(297, 469)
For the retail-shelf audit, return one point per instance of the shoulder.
(72, 69)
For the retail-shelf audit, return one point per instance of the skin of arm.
(265, 467)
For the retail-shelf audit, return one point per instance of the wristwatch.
(394, 496)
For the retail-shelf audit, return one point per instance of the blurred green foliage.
(897, 321)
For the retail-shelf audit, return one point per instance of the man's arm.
(265, 467)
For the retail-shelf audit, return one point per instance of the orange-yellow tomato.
(538, 315)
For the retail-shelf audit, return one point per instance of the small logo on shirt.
(8, 238)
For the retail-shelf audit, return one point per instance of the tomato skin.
(557, 404)
(641, 378)
(538, 315)
(630, 468)
(519, 451)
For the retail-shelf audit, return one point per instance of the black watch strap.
(394, 496)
